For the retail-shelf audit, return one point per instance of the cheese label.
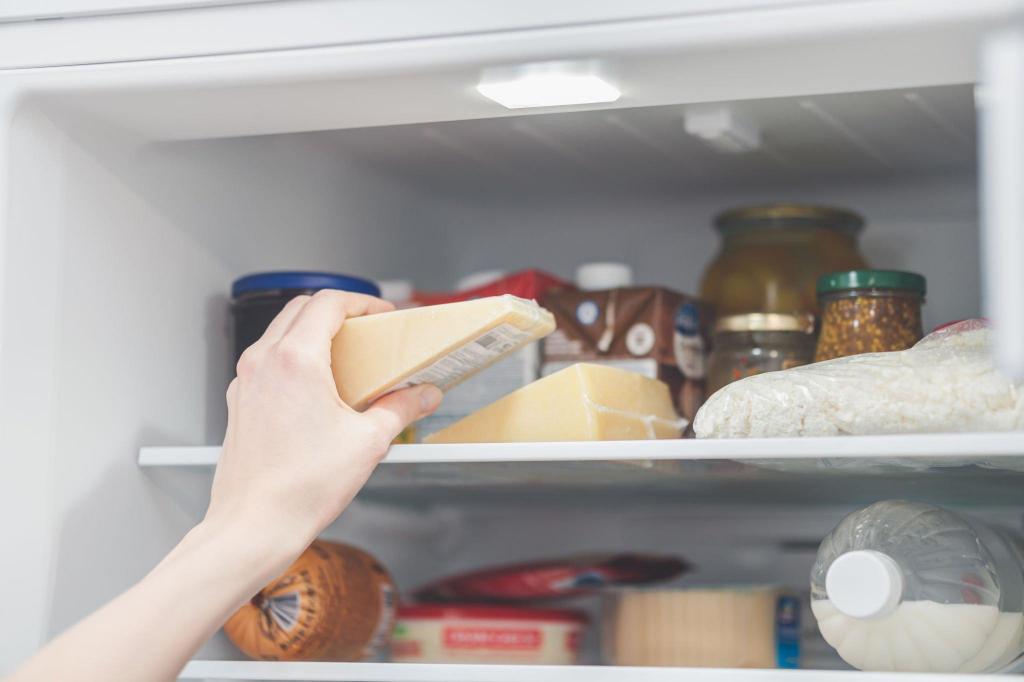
(471, 357)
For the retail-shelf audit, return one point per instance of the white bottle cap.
(478, 279)
(395, 290)
(864, 584)
(594, 276)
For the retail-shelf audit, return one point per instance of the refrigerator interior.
(128, 217)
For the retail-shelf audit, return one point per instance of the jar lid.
(766, 322)
(783, 215)
(312, 281)
(871, 279)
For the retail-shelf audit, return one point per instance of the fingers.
(321, 318)
(271, 335)
(283, 320)
(395, 411)
(232, 392)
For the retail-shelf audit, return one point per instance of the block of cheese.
(581, 402)
(718, 627)
(441, 345)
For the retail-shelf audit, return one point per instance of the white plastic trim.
(404, 672)
(1001, 123)
(958, 446)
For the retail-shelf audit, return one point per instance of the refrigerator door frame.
(52, 36)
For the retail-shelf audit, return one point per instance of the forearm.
(294, 456)
(151, 631)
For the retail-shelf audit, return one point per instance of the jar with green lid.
(753, 343)
(868, 311)
(771, 256)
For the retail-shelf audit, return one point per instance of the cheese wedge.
(580, 402)
(441, 345)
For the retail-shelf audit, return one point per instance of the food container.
(751, 627)
(654, 331)
(869, 311)
(554, 578)
(771, 256)
(504, 376)
(753, 343)
(473, 633)
(259, 297)
(334, 603)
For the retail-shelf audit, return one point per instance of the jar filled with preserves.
(868, 311)
(749, 344)
(772, 256)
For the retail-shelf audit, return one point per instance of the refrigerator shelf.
(408, 672)
(1000, 450)
(965, 469)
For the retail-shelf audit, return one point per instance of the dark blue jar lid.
(312, 281)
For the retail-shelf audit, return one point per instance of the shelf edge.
(952, 446)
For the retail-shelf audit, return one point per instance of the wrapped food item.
(946, 382)
(531, 284)
(653, 331)
(441, 345)
(335, 603)
(722, 627)
(476, 633)
(508, 374)
(554, 579)
(581, 402)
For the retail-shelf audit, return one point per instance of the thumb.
(395, 411)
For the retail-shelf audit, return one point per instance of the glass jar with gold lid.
(772, 255)
(753, 343)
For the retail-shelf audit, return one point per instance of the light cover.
(547, 85)
(723, 128)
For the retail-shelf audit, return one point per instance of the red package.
(553, 579)
(529, 284)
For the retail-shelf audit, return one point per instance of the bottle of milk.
(905, 586)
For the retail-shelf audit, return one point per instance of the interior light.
(547, 85)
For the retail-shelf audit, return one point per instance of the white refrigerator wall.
(116, 264)
(923, 225)
(118, 250)
(118, 258)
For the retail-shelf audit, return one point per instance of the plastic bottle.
(905, 586)
(603, 275)
(400, 292)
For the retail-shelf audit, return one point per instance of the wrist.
(253, 552)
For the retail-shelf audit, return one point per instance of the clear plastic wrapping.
(946, 383)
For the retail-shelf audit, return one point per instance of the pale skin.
(294, 456)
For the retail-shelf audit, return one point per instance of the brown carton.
(654, 331)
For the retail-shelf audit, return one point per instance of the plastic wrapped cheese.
(581, 402)
(441, 345)
(947, 382)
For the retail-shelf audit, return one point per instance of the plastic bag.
(945, 383)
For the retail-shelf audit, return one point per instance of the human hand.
(294, 454)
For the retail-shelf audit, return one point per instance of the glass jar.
(772, 256)
(749, 344)
(259, 297)
(868, 311)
